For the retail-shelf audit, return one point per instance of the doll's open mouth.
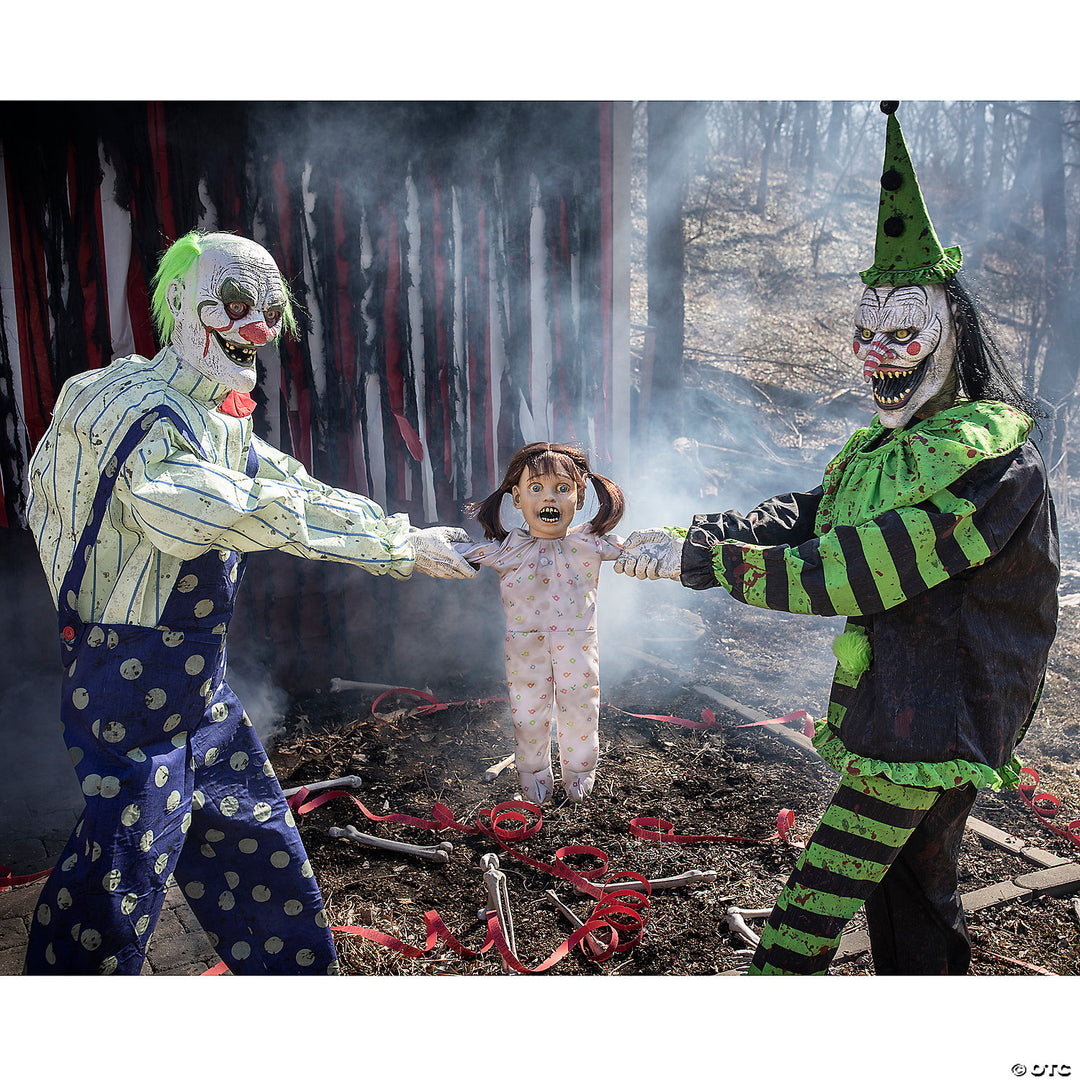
(244, 355)
(894, 386)
(548, 515)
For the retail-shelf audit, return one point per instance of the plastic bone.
(439, 853)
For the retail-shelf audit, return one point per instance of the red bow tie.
(237, 404)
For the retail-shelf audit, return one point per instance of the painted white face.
(548, 503)
(905, 338)
(229, 305)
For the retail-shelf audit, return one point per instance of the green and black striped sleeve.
(871, 567)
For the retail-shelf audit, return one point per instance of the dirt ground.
(730, 781)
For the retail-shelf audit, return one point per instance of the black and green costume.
(938, 542)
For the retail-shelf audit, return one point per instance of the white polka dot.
(289, 819)
(171, 722)
(210, 756)
(172, 638)
(95, 729)
(305, 869)
(321, 920)
(136, 755)
(187, 583)
(95, 637)
(155, 698)
(173, 801)
(273, 945)
(280, 859)
(198, 800)
(108, 966)
(185, 822)
(219, 712)
(95, 851)
(207, 852)
(114, 731)
(194, 664)
(112, 639)
(111, 881)
(110, 787)
(229, 805)
(69, 862)
(80, 698)
(44, 914)
(50, 954)
(232, 878)
(141, 925)
(146, 840)
(92, 785)
(128, 904)
(179, 739)
(268, 769)
(239, 761)
(131, 814)
(203, 608)
(260, 894)
(161, 777)
(215, 836)
(194, 889)
(241, 950)
(90, 940)
(248, 846)
(292, 907)
(160, 863)
(305, 958)
(261, 811)
(131, 669)
(63, 900)
(226, 901)
(76, 755)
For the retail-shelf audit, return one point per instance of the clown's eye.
(236, 309)
(273, 316)
(865, 335)
(903, 335)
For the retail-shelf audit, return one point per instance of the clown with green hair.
(147, 491)
(933, 531)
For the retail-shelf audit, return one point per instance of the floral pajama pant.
(554, 676)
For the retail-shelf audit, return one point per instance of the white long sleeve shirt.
(170, 503)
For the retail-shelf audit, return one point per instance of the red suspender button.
(68, 633)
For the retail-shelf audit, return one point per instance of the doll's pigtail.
(487, 512)
(612, 504)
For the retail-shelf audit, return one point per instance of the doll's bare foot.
(578, 784)
(538, 786)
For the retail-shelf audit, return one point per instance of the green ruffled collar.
(880, 470)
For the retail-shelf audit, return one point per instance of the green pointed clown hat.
(907, 250)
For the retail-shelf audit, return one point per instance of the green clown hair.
(907, 250)
(176, 264)
(852, 650)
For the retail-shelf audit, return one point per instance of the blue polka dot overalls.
(176, 784)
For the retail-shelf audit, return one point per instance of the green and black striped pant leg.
(861, 837)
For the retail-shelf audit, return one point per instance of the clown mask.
(905, 338)
(229, 304)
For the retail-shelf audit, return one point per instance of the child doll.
(548, 574)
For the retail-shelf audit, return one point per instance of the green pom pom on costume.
(675, 531)
(852, 650)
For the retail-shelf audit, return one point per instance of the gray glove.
(434, 555)
(651, 553)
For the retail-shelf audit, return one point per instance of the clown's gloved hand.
(651, 553)
(434, 555)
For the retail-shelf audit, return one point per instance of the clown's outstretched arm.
(187, 504)
(658, 553)
(876, 565)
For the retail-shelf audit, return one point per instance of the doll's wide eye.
(564, 488)
(903, 335)
(534, 487)
(865, 335)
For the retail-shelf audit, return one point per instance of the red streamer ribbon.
(1046, 806)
